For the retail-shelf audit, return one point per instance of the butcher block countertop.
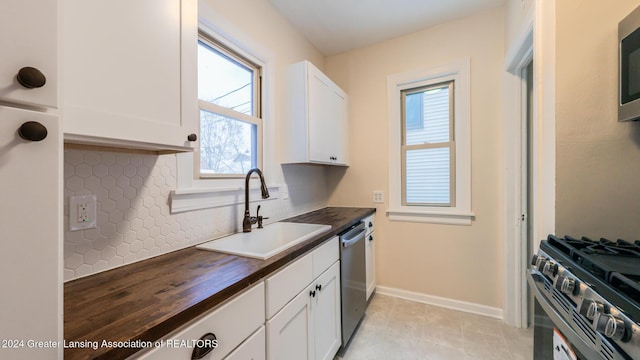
(147, 300)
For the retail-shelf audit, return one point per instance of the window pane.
(224, 81)
(414, 111)
(227, 145)
(428, 176)
(432, 125)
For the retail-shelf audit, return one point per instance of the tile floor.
(399, 329)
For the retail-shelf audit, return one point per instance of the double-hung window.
(428, 161)
(230, 112)
(429, 145)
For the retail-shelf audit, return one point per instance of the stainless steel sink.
(267, 242)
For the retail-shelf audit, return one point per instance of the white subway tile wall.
(134, 222)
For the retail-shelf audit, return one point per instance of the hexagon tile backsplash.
(134, 221)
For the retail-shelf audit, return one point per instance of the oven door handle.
(567, 331)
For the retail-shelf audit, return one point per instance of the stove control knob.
(534, 260)
(550, 268)
(611, 327)
(567, 285)
(590, 308)
(540, 263)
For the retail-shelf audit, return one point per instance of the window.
(429, 145)
(230, 114)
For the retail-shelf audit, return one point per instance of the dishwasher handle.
(353, 236)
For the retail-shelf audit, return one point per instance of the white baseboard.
(453, 304)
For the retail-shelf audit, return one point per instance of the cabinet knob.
(32, 131)
(370, 237)
(31, 77)
(319, 287)
(192, 137)
(312, 293)
(204, 346)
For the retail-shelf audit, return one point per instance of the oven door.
(553, 337)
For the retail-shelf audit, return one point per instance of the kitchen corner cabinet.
(370, 255)
(309, 325)
(315, 126)
(128, 72)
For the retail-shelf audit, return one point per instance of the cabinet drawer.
(287, 283)
(231, 323)
(252, 349)
(325, 255)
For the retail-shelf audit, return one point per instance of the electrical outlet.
(82, 212)
(378, 196)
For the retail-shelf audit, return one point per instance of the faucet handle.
(260, 218)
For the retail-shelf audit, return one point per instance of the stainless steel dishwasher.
(352, 279)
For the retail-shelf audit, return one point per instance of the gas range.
(592, 290)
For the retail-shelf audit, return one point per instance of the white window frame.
(256, 119)
(460, 213)
(194, 193)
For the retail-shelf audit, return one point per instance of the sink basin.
(267, 242)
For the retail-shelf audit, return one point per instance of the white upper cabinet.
(129, 72)
(316, 125)
(30, 41)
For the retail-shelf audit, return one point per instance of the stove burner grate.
(605, 247)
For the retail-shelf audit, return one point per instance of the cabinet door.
(289, 332)
(342, 126)
(122, 70)
(326, 314)
(322, 122)
(370, 261)
(29, 38)
(30, 223)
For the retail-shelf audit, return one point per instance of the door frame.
(535, 40)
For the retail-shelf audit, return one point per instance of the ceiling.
(336, 26)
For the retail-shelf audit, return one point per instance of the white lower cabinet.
(370, 254)
(309, 325)
(231, 324)
(289, 332)
(301, 305)
(325, 310)
(251, 349)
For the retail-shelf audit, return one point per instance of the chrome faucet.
(249, 220)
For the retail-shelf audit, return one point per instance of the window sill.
(431, 216)
(183, 200)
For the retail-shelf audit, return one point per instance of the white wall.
(134, 222)
(516, 13)
(462, 263)
(598, 158)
